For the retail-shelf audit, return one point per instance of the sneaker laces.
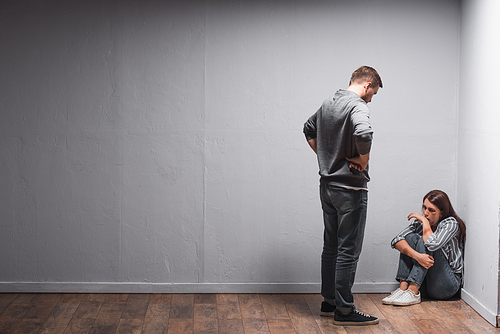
(363, 314)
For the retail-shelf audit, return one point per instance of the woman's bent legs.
(409, 270)
(440, 281)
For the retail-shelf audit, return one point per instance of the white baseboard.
(487, 314)
(108, 287)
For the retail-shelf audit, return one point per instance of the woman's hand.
(425, 260)
(418, 216)
(427, 230)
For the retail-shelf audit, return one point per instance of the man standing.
(341, 135)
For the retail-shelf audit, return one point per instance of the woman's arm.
(425, 260)
(427, 231)
(446, 230)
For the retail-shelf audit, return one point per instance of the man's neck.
(358, 89)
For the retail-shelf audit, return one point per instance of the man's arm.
(314, 144)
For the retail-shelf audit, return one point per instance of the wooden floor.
(222, 313)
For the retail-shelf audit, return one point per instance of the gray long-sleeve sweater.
(342, 128)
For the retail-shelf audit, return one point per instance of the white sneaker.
(407, 298)
(395, 294)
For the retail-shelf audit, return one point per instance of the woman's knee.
(413, 239)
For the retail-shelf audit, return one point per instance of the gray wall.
(157, 146)
(479, 161)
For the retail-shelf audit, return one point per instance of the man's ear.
(367, 85)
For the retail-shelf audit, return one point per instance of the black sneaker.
(355, 318)
(327, 309)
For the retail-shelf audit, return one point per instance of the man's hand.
(360, 162)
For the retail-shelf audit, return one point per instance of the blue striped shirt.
(445, 238)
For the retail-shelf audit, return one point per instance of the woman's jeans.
(344, 215)
(439, 281)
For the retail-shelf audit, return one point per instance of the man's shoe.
(407, 298)
(355, 318)
(327, 309)
(393, 296)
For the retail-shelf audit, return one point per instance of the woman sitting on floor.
(431, 253)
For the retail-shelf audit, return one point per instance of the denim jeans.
(437, 282)
(344, 216)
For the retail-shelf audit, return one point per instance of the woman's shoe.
(407, 298)
(393, 296)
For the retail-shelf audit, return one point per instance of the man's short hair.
(366, 73)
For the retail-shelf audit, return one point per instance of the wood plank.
(252, 313)
(228, 307)
(274, 307)
(205, 314)
(383, 327)
(254, 326)
(205, 311)
(280, 326)
(182, 306)
(205, 298)
(446, 319)
(85, 315)
(397, 317)
(231, 326)
(180, 326)
(429, 326)
(160, 298)
(108, 319)
(206, 326)
(300, 314)
(251, 306)
(16, 311)
(61, 315)
(130, 326)
(6, 299)
(136, 306)
(359, 329)
(95, 297)
(116, 298)
(480, 326)
(461, 310)
(42, 307)
(157, 318)
(38, 313)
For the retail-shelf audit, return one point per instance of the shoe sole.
(406, 304)
(327, 314)
(354, 323)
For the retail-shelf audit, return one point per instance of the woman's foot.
(393, 296)
(407, 298)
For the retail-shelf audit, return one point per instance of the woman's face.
(431, 212)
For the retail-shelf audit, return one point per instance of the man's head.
(365, 81)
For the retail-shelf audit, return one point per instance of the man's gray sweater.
(342, 128)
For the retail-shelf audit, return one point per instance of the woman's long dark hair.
(441, 200)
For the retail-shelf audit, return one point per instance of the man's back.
(343, 130)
